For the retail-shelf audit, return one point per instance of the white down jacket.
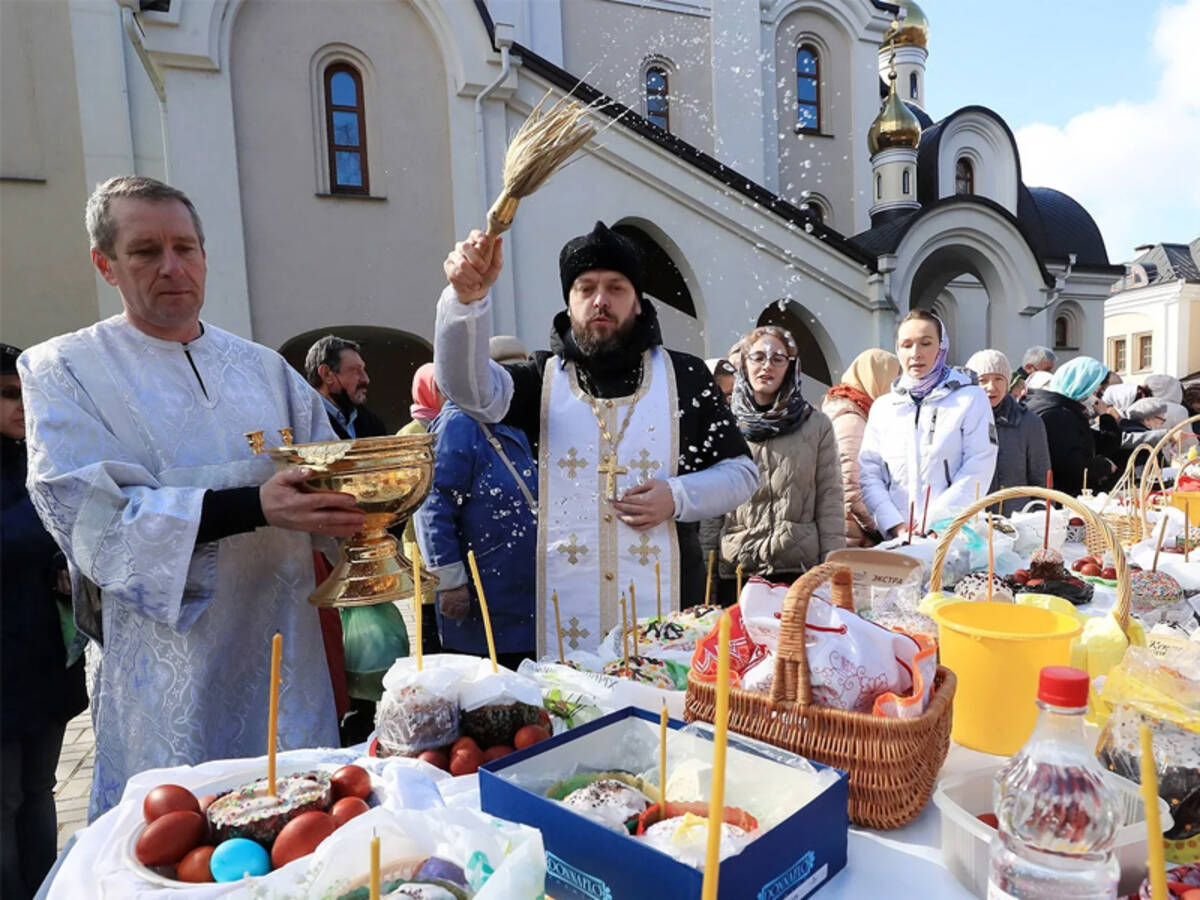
(947, 441)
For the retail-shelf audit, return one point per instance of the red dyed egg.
(301, 836)
(351, 781)
(168, 798)
(195, 866)
(168, 838)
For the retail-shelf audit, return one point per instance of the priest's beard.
(592, 345)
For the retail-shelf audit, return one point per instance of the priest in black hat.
(634, 443)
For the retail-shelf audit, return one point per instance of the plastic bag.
(572, 697)
(374, 637)
(1159, 686)
(491, 858)
(495, 705)
(419, 709)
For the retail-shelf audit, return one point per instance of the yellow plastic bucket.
(997, 651)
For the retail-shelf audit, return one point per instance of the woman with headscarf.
(427, 401)
(1024, 455)
(1169, 389)
(847, 404)
(932, 433)
(795, 516)
(1065, 407)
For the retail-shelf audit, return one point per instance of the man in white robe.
(186, 553)
(635, 443)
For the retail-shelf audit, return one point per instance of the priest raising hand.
(635, 444)
(187, 554)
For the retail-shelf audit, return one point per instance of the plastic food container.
(966, 840)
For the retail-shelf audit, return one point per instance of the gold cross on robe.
(611, 470)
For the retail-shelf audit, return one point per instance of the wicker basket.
(1110, 542)
(1153, 474)
(1128, 524)
(892, 763)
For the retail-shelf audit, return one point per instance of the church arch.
(819, 358)
(391, 356)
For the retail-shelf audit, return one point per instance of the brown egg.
(167, 798)
(466, 761)
(206, 802)
(347, 808)
(496, 752)
(301, 836)
(194, 867)
(351, 781)
(168, 838)
(437, 758)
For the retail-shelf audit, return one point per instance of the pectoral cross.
(611, 470)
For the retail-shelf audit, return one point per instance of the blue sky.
(1103, 98)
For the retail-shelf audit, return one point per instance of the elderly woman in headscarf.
(795, 517)
(1170, 390)
(1066, 406)
(847, 404)
(427, 401)
(1024, 454)
(930, 436)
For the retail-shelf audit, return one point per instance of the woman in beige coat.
(847, 404)
(795, 517)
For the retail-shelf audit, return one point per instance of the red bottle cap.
(1063, 686)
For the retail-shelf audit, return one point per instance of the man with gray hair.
(186, 552)
(335, 367)
(1036, 359)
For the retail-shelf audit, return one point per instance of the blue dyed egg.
(237, 857)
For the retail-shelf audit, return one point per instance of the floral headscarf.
(788, 410)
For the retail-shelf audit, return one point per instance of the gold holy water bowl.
(389, 477)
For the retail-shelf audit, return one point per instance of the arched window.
(345, 127)
(815, 211)
(1062, 332)
(808, 89)
(964, 176)
(906, 179)
(657, 98)
(878, 187)
(912, 86)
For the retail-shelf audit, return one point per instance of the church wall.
(609, 44)
(818, 162)
(316, 259)
(736, 259)
(46, 282)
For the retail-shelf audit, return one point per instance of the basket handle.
(792, 683)
(1147, 480)
(1124, 591)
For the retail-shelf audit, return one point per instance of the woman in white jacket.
(933, 430)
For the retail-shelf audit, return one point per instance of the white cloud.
(1134, 166)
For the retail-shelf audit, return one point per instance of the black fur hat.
(602, 249)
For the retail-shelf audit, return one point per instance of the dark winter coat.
(37, 690)
(476, 504)
(1024, 451)
(1074, 444)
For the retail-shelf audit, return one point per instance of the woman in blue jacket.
(483, 499)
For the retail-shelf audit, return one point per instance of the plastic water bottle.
(1058, 818)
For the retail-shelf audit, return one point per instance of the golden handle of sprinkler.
(286, 435)
(255, 440)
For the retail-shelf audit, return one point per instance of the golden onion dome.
(895, 126)
(913, 29)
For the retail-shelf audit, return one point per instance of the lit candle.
(273, 710)
(375, 868)
(417, 604)
(662, 759)
(716, 805)
(658, 587)
(483, 608)
(1154, 839)
(633, 615)
(558, 626)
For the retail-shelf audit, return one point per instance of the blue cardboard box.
(586, 861)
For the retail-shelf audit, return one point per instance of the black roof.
(1059, 225)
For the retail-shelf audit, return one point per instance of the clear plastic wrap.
(483, 857)
(495, 705)
(1159, 686)
(419, 709)
(571, 696)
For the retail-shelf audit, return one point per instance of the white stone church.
(773, 158)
